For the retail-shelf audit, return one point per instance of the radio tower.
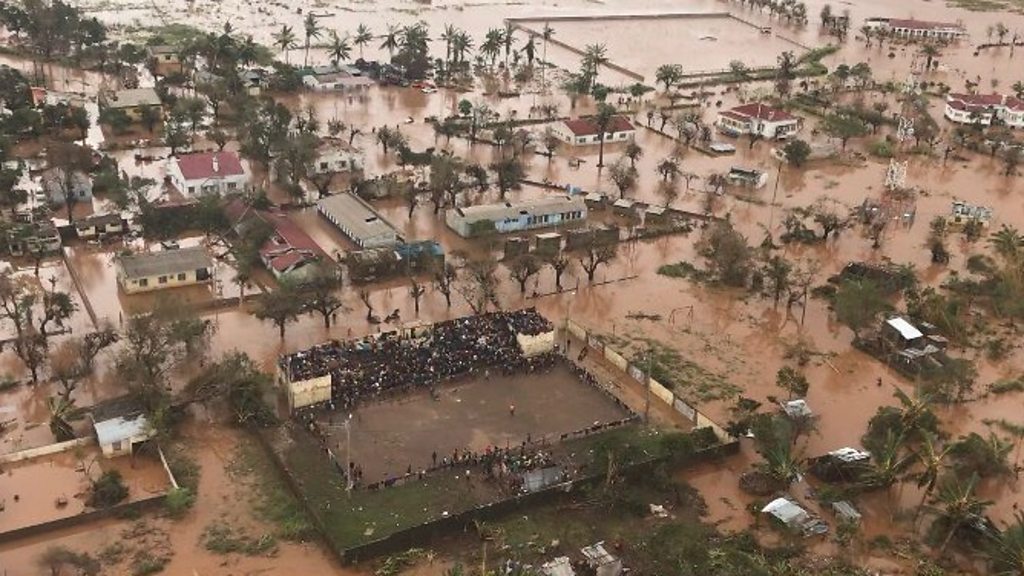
(896, 175)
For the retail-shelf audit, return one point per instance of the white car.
(428, 90)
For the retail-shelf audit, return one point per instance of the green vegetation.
(683, 270)
(269, 498)
(687, 378)
(1007, 386)
(989, 5)
(178, 501)
(224, 539)
(108, 491)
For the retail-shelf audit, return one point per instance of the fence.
(658, 390)
(120, 511)
(45, 450)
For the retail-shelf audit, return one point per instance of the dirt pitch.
(472, 413)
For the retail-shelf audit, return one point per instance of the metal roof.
(510, 210)
(132, 98)
(358, 218)
(786, 511)
(164, 262)
(120, 429)
(906, 329)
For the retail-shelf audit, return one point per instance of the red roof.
(200, 166)
(588, 127)
(761, 112)
(283, 262)
(923, 25)
(289, 243)
(977, 99)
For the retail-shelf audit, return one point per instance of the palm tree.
(339, 48)
(1006, 550)
(461, 44)
(594, 56)
(530, 49)
(507, 40)
(956, 504)
(930, 51)
(390, 42)
(1018, 89)
(669, 169)
(932, 459)
(285, 40)
(491, 46)
(546, 34)
(312, 30)
(449, 34)
(1007, 242)
(363, 37)
(603, 119)
(248, 51)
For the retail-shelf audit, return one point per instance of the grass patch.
(686, 377)
(1007, 386)
(221, 538)
(269, 498)
(145, 563)
(684, 270)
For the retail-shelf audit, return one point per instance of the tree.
(596, 256)
(633, 152)
(444, 280)
(930, 51)
(858, 303)
(175, 136)
(624, 176)
(363, 37)
(932, 458)
(1005, 550)
(523, 268)
(1011, 160)
(318, 292)
(281, 306)
(31, 309)
(238, 381)
(445, 179)
(57, 558)
(285, 40)
(416, 291)
(339, 49)
(797, 152)
(155, 344)
(509, 173)
(559, 264)
(793, 382)
(844, 127)
(479, 284)
(602, 120)
(68, 163)
(777, 273)
(727, 252)
(785, 72)
(669, 169)
(669, 75)
(955, 505)
(295, 160)
(312, 30)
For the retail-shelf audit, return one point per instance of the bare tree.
(595, 256)
(444, 279)
(416, 291)
(559, 264)
(479, 284)
(523, 268)
(364, 297)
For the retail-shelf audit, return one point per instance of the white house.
(758, 119)
(584, 131)
(507, 217)
(984, 109)
(204, 173)
(99, 225)
(336, 156)
(359, 221)
(117, 436)
(344, 78)
(164, 269)
(917, 29)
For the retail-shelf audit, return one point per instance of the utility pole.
(647, 394)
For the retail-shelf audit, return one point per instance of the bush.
(108, 490)
(178, 501)
(881, 149)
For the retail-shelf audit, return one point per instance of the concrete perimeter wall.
(658, 390)
(57, 448)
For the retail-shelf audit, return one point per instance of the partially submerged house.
(132, 101)
(795, 518)
(39, 237)
(507, 217)
(335, 155)
(401, 260)
(149, 271)
(359, 221)
(961, 213)
(585, 131)
(910, 347)
(747, 177)
(288, 251)
(58, 187)
(204, 173)
(164, 60)
(118, 436)
(917, 29)
(757, 119)
(984, 109)
(600, 561)
(335, 78)
(840, 465)
(99, 225)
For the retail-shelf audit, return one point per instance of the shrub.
(881, 149)
(178, 501)
(108, 490)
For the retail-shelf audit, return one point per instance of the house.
(203, 173)
(164, 269)
(984, 109)
(548, 244)
(164, 60)
(402, 260)
(962, 212)
(58, 187)
(600, 562)
(99, 225)
(758, 119)
(117, 436)
(289, 251)
(796, 409)
(506, 217)
(359, 221)
(917, 29)
(584, 131)
(901, 334)
(335, 78)
(32, 238)
(840, 465)
(793, 517)
(335, 155)
(747, 177)
(132, 101)
(254, 80)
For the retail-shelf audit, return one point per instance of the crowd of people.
(391, 361)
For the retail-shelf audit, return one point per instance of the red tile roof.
(286, 260)
(200, 166)
(761, 112)
(588, 127)
(289, 243)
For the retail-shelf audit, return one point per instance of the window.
(232, 185)
(323, 165)
(191, 189)
(143, 282)
(181, 277)
(116, 446)
(161, 280)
